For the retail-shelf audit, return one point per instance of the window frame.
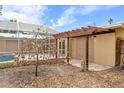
(62, 47)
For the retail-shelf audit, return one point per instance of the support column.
(68, 50)
(118, 47)
(56, 48)
(87, 52)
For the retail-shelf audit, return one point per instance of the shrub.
(83, 66)
(7, 65)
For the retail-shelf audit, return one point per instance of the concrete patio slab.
(92, 66)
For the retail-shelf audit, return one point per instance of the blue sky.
(64, 17)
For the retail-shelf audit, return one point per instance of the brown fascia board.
(74, 33)
(61, 35)
(84, 32)
(103, 31)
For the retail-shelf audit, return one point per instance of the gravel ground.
(59, 75)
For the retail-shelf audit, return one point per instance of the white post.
(18, 37)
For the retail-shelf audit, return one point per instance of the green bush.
(7, 65)
(83, 66)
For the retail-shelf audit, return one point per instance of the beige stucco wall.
(79, 47)
(7, 46)
(104, 49)
(11, 45)
(73, 51)
(120, 33)
(2, 45)
(91, 49)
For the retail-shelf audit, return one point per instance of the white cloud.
(85, 10)
(52, 21)
(66, 18)
(27, 14)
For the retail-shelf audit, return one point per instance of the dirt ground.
(59, 75)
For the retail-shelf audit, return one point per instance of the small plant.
(83, 66)
(35, 81)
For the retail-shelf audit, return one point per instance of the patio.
(92, 66)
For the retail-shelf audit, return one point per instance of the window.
(63, 44)
(5, 31)
(59, 45)
(62, 47)
(12, 32)
(25, 33)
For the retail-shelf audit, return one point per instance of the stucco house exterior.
(101, 45)
(9, 34)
